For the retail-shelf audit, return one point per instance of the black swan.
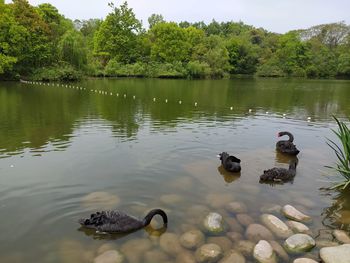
(287, 146)
(119, 222)
(229, 162)
(280, 175)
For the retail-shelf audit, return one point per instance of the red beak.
(278, 134)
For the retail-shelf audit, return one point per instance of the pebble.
(100, 200)
(271, 208)
(208, 253)
(304, 260)
(183, 257)
(299, 243)
(234, 236)
(256, 232)
(236, 207)
(341, 236)
(264, 253)
(339, 254)
(246, 247)
(213, 223)
(244, 219)
(277, 226)
(105, 247)
(171, 199)
(320, 243)
(233, 256)
(110, 256)
(134, 249)
(192, 239)
(298, 227)
(169, 242)
(281, 253)
(294, 214)
(218, 200)
(155, 256)
(223, 242)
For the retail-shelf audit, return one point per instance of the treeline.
(40, 43)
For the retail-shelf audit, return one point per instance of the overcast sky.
(274, 15)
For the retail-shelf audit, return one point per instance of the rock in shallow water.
(214, 223)
(233, 256)
(169, 242)
(192, 239)
(264, 253)
(256, 232)
(299, 243)
(294, 214)
(246, 247)
(100, 200)
(244, 219)
(277, 226)
(304, 260)
(223, 242)
(298, 227)
(208, 253)
(236, 207)
(341, 236)
(339, 254)
(279, 250)
(110, 256)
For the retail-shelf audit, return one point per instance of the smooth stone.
(299, 243)
(105, 247)
(304, 260)
(246, 247)
(234, 236)
(233, 256)
(183, 183)
(155, 256)
(263, 252)
(298, 227)
(320, 243)
(73, 251)
(234, 225)
(223, 242)
(100, 200)
(109, 256)
(343, 217)
(244, 219)
(271, 208)
(133, 249)
(341, 236)
(169, 242)
(277, 226)
(218, 200)
(171, 199)
(338, 254)
(256, 232)
(184, 257)
(213, 223)
(294, 214)
(281, 253)
(236, 207)
(192, 239)
(208, 253)
(305, 201)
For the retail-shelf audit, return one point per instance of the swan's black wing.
(112, 222)
(273, 175)
(287, 147)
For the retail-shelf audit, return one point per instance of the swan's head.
(223, 154)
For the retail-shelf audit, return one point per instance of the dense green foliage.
(39, 42)
(342, 152)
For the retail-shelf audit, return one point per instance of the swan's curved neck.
(152, 213)
(293, 165)
(291, 137)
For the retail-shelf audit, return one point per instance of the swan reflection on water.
(228, 176)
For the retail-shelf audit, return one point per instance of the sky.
(274, 15)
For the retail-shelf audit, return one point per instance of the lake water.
(137, 144)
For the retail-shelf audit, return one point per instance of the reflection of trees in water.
(38, 117)
(338, 214)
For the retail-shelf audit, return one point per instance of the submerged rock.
(298, 227)
(271, 208)
(183, 257)
(244, 219)
(341, 236)
(339, 254)
(233, 256)
(281, 253)
(155, 256)
(304, 260)
(246, 247)
(133, 249)
(214, 223)
(171, 199)
(192, 239)
(256, 232)
(105, 247)
(236, 207)
(110, 256)
(299, 243)
(169, 242)
(264, 253)
(100, 200)
(320, 243)
(223, 242)
(294, 214)
(234, 225)
(277, 226)
(208, 253)
(234, 236)
(218, 200)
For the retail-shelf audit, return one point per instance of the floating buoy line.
(195, 104)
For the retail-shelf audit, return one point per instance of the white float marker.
(308, 119)
(180, 101)
(195, 104)
(250, 110)
(231, 108)
(267, 112)
(284, 115)
(134, 97)
(124, 95)
(111, 93)
(166, 100)
(117, 94)
(154, 99)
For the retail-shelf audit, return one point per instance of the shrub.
(62, 72)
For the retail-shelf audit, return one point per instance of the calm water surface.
(65, 152)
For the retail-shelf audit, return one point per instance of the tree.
(117, 35)
(155, 19)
